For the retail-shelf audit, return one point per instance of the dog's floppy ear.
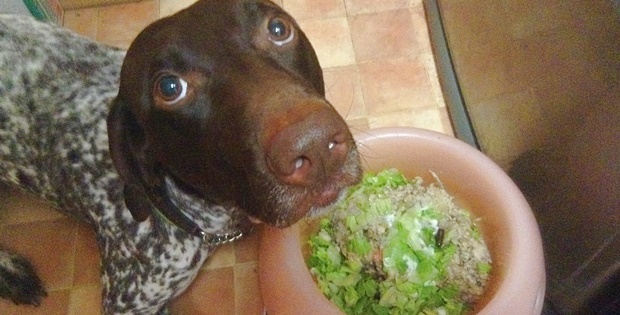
(126, 140)
(309, 64)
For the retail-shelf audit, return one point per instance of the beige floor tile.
(56, 303)
(169, 7)
(212, 293)
(21, 207)
(85, 300)
(223, 256)
(420, 29)
(87, 258)
(428, 59)
(247, 290)
(119, 25)
(370, 6)
(315, 9)
(395, 85)
(344, 91)
(76, 4)
(426, 118)
(446, 122)
(82, 21)
(331, 40)
(382, 35)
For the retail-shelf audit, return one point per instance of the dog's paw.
(19, 281)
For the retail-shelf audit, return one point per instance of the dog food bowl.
(517, 283)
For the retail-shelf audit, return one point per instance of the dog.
(214, 120)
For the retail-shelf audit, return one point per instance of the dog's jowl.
(214, 120)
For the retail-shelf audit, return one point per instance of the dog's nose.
(310, 150)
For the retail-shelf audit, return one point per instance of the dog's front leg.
(142, 274)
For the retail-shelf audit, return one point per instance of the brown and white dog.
(217, 120)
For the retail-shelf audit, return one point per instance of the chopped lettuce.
(378, 252)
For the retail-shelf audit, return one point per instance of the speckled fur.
(55, 90)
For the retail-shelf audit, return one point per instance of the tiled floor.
(379, 71)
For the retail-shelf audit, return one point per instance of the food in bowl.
(396, 246)
(517, 282)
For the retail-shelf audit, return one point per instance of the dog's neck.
(215, 224)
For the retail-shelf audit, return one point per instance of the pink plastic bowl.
(517, 283)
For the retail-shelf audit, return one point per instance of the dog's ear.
(309, 64)
(126, 140)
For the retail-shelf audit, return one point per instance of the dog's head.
(226, 100)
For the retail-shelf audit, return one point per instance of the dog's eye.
(170, 89)
(281, 32)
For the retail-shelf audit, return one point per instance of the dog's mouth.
(314, 205)
(295, 204)
(328, 196)
(325, 200)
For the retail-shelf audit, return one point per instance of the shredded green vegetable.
(394, 246)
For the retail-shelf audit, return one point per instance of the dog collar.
(221, 239)
(209, 239)
(167, 210)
